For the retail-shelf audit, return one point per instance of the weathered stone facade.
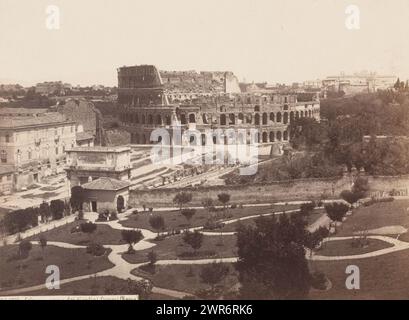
(145, 106)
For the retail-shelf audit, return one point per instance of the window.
(3, 156)
(7, 138)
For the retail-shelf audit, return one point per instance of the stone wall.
(272, 192)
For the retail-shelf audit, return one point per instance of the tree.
(336, 211)
(307, 208)
(213, 273)
(88, 228)
(57, 209)
(188, 214)
(182, 198)
(207, 203)
(43, 243)
(24, 248)
(194, 239)
(77, 198)
(152, 257)
(272, 262)
(157, 223)
(224, 198)
(360, 187)
(45, 211)
(349, 197)
(131, 237)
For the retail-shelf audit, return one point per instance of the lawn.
(175, 220)
(383, 277)
(378, 215)
(103, 235)
(91, 286)
(173, 248)
(185, 278)
(71, 262)
(346, 248)
(231, 227)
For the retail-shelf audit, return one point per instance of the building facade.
(86, 164)
(35, 146)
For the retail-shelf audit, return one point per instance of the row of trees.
(23, 219)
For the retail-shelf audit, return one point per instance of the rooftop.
(99, 149)
(107, 184)
(81, 136)
(5, 169)
(27, 121)
(23, 111)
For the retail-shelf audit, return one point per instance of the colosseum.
(151, 99)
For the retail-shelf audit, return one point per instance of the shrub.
(211, 224)
(102, 217)
(88, 227)
(57, 209)
(319, 280)
(233, 206)
(96, 249)
(113, 216)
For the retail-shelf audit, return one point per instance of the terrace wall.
(271, 192)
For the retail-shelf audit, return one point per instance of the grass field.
(174, 248)
(91, 286)
(346, 248)
(104, 235)
(185, 278)
(383, 277)
(31, 271)
(378, 215)
(175, 220)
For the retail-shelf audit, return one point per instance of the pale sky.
(259, 40)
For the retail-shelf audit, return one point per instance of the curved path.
(123, 269)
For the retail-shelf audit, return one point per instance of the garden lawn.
(185, 278)
(383, 277)
(172, 248)
(72, 263)
(104, 234)
(378, 215)
(346, 248)
(106, 285)
(175, 220)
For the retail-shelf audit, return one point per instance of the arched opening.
(232, 118)
(120, 204)
(265, 137)
(204, 117)
(192, 118)
(285, 118)
(168, 121)
(278, 117)
(192, 140)
(257, 109)
(257, 119)
(203, 138)
(249, 118)
(302, 114)
(297, 115)
(183, 118)
(272, 136)
(291, 116)
(240, 117)
(285, 136)
(150, 119)
(279, 135)
(272, 116)
(264, 118)
(223, 119)
(158, 119)
(309, 113)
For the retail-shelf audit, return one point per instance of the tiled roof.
(80, 136)
(24, 111)
(44, 119)
(106, 183)
(4, 169)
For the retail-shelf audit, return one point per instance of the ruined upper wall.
(143, 76)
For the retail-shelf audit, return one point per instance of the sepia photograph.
(191, 150)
